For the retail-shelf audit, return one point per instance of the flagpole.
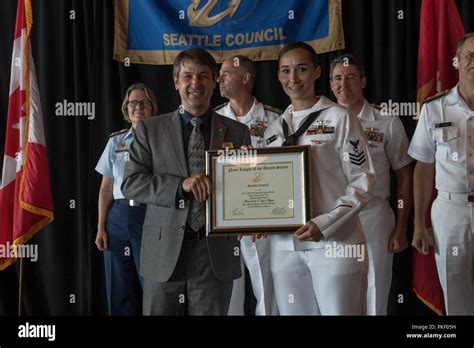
(20, 287)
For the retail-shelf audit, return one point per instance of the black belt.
(190, 234)
(129, 202)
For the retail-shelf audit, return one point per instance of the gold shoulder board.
(220, 106)
(118, 132)
(273, 109)
(436, 96)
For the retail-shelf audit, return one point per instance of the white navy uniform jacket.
(342, 178)
(445, 136)
(388, 145)
(257, 119)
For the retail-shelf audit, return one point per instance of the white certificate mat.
(264, 191)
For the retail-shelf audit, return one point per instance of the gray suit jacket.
(152, 175)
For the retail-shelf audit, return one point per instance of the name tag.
(444, 124)
(271, 139)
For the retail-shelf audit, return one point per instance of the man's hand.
(423, 183)
(398, 240)
(421, 237)
(200, 185)
(309, 232)
(102, 239)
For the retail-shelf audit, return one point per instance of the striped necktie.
(196, 166)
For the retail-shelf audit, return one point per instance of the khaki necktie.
(196, 166)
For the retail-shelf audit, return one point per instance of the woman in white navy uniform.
(120, 220)
(311, 276)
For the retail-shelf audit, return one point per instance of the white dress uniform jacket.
(257, 119)
(445, 136)
(388, 145)
(308, 281)
(343, 173)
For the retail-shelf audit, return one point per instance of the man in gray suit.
(182, 270)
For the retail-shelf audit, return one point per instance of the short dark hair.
(198, 55)
(345, 59)
(302, 45)
(247, 65)
(461, 42)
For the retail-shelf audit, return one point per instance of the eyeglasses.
(134, 103)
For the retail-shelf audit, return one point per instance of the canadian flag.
(25, 193)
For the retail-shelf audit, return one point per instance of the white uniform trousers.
(256, 257)
(378, 222)
(310, 283)
(454, 239)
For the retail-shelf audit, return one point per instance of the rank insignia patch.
(357, 157)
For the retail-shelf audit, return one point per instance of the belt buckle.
(133, 203)
(470, 197)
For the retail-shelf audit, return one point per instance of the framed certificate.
(264, 190)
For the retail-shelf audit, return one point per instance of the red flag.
(440, 29)
(25, 193)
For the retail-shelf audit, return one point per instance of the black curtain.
(72, 48)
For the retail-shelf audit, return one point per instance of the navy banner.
(155, 31)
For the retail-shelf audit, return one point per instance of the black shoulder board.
(376, 106)
(273, 109)
(118, 132)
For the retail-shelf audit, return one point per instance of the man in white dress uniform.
(388, 145)
(443, 145)
(236, 79)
